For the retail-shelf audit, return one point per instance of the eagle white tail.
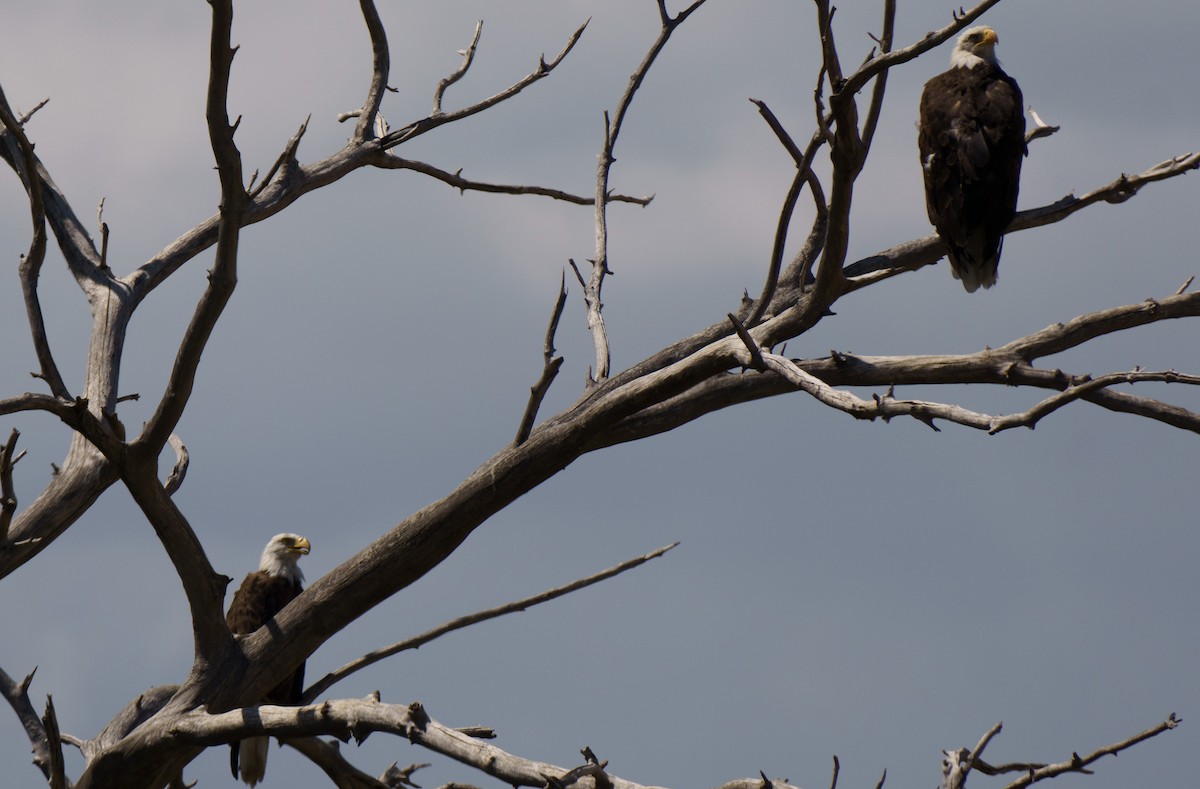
(252, 759)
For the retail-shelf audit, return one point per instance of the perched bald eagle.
(262, 595)
(972, 140)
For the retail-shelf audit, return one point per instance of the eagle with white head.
(971, 136)
(261, 596)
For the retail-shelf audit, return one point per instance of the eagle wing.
(972, 140)
(260, 597)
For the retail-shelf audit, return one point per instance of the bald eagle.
(972, 140)
(262, 595)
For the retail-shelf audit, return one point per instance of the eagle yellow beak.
(990, 37)
(302, 546)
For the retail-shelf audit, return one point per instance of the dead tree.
(736, 359)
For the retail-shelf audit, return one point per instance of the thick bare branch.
(81, 256)
(1006, 366)
(380, 67)
(204, 587)
(17, 696)
(356, 719)
(58, 774)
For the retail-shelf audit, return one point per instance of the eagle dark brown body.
(262, 595)
(972, 140)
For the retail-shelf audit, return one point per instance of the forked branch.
(417, 128)
(550, 366)
(594, 285)
(17, 696)
(31, 263)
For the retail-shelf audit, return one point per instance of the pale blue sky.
(879, 592)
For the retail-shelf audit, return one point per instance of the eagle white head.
(281, 554)
(975, 47)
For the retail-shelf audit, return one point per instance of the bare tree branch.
(550, 366)
(8, 493)
(357, 719)
(804, 174)
(925, 251)
(329, 680)
(1077, 764)
(58, 777)
(417, 128)
(179, 470)
(285, 163)
(381, 65)
(17, 696)
(456, 180)
(31, 263)
(1040, 128)
(151, 740)
(888, 60)
(593, 287)
(885, 45)
(205, 588)
(329, 758)
(468, 58)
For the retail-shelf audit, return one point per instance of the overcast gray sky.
(879, 592)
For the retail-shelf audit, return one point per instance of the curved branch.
(468, 58)
(885, 45)
(31, 263)
(222, 279)
(179, 470)
(204, 587)
(380, 66)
